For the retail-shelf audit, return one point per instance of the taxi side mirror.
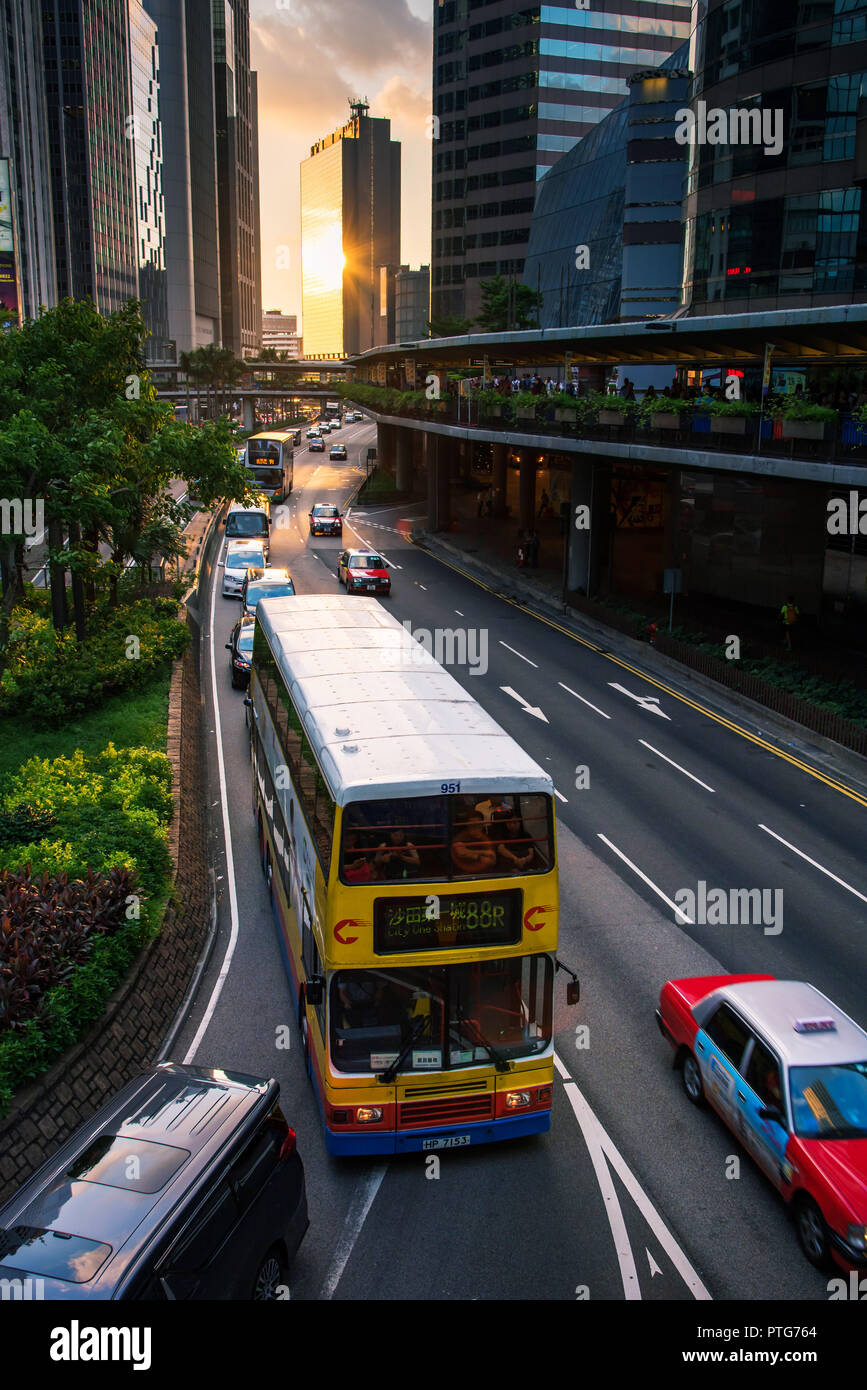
(772, 1112)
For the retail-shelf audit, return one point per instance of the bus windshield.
(446, 837)
(268, 477)
(453, 1015)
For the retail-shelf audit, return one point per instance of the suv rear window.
(53, 1254)
(247, 524)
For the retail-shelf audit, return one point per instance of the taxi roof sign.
(815, 1025)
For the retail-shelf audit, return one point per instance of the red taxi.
(363, 572)
(787, 1071)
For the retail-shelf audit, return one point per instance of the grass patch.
(133, 719)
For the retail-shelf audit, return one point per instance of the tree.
(508, 305)
(448, 326)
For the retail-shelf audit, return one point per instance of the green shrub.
(52, 677)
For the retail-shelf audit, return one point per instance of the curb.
(768, 723)
(201, 966)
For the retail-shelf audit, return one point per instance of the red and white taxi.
(787, 1071)
(363, 572)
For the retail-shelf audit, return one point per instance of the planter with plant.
(730, 417)
(804, 420)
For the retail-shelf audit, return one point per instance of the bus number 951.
(450, 786)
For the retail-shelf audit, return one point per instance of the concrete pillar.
(498, 479)
(527, 492)
(403, 460)
(580, 538)
(446, 460)
(385, 447)
(429, 457)
(437, 463)
(249, 412)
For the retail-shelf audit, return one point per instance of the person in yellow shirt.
(790, 614)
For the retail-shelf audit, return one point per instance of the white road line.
(355, 1219)
(459, 613)
(842, 882)
(230, 858)
(649, 881)
(674, 764)
(560, 796)
(523, 658)
(422, 586)
(601, 1148)
(583, 701)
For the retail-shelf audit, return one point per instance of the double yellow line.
(660, 685)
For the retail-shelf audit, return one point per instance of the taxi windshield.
(367, 562)
(321, 509)
(830, 1102)
(272, 590)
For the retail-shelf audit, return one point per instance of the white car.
(240, 556)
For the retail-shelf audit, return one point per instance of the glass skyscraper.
(350, 230)
(515, 86)
(146, 138)
(779, 223)
(237, 178)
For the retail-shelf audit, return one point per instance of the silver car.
(240, 556)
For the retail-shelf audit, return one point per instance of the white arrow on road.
(531, 709)
(648, 702)
(654, 1267)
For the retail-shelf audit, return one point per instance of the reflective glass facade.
(350, 233)
(237, 178)
(515, 86)
(776, 221)
(147, 157)
(605, 238)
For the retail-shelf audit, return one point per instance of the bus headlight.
(368, 1114)
(516, 1100)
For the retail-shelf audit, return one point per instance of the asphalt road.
(628, 1196)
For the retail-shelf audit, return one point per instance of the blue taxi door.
(759, 1088)
(719, 1047)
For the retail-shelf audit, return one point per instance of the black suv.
(185, 1185)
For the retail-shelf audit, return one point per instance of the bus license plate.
(451, 1141)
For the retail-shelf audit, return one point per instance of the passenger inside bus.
(357, 867)
(472, 852)
(397, 857)
(514, 847)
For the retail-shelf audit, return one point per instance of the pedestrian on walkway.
(790, 613)
(533, 550)
(521, 556)
(544, 503)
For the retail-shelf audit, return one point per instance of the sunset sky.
(312, 56)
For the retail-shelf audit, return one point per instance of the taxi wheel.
(690, 1075)
(813, 1233)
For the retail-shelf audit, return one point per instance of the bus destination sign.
(450, 922)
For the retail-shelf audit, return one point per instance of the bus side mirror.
(573, 992)
(313, 990)
(223, 522)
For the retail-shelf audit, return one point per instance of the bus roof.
(383, 717)
(273, 434)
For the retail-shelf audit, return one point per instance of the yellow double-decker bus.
(408, 843)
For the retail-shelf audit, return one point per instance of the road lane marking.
(583, 701)
(816, 865)
(459, 613)
(520, 654)
(648, 702)
(604, 1152)
(356, 1216)
(733, 728)
(649, 881)
(674, 764)
(560, 796)
(227, 837)
(525, 704)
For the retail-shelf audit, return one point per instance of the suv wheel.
(269, 1276)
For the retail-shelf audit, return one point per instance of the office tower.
(775, 215)
(237, 178)
(350, 232)
(280, 332)
(411, 303)
(87, 84)
(514, 87)
(147, 152)
(28, 252)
